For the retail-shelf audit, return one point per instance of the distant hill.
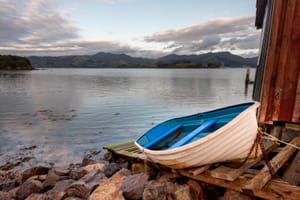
(99, 60)
(109, 60)
(209, 60)
(10, 62)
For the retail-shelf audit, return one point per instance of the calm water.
(66, 112)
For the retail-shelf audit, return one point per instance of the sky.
(140, 28)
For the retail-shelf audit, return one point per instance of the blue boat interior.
(181, 131)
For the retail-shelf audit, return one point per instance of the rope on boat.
(276, 140)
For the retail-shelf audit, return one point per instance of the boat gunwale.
(212, 135)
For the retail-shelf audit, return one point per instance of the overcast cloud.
(37, 27)
(223, 34)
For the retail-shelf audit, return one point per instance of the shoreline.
(101, 176)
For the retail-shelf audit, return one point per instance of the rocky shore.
(107, 177)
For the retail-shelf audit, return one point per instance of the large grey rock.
(83, 187)
(111, 169)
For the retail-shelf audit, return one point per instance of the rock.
(111, 169)
(78, 173)
(182, 192)
(51, 179)
(150, 170)
(155, 190)
(13, 192)
(232, 195)
(73, 198)
(28, 148)
(133, 186)
(42, 177)
(62, 185)
(33, 171)
(9, 165)
(27, 188)
(91, 158)
(124, 165)
(61, 171)
(85, 185)
(123, 172)
(110, 189)
(107, 191)
(5, 196)
(37, 197)
(196, 189)
(8, 185)
(55, 195)
(168, 176)
(137, 168)
(108, 156)
(97, 166)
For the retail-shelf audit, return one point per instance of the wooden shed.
(277, 81)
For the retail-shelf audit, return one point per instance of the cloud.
(39, 27)
(33, 22)
(217, 34)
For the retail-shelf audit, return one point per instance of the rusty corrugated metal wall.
(280, 85)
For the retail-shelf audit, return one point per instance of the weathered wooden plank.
(264, 175)
(292, 174)
(272, 190)
(199, 170)
(230, 174)
(119, 146)
(132, 155)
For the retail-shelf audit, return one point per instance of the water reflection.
(69, 111)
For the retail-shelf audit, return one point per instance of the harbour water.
(67, 112)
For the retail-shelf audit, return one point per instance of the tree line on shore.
(11, 62)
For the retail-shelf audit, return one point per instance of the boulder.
(110, 189)
(155, 190)
(54, 195)
(51, 179)
(61, 186)
(133, 186)
(96, 166)
(32, 172)
(183, 192)
(111, 169)
(61, 171)
(107, 191)
(13, 192)
(37, 197)
(8, 185)
(123, 172)
(83, 187)
(5, 196)
(77, 173)
(27, 188)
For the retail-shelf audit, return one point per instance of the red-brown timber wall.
(280, 100)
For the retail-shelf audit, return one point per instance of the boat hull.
(231, 142)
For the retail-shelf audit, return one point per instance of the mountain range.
(110, 60)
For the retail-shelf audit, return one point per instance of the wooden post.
(264, 176)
